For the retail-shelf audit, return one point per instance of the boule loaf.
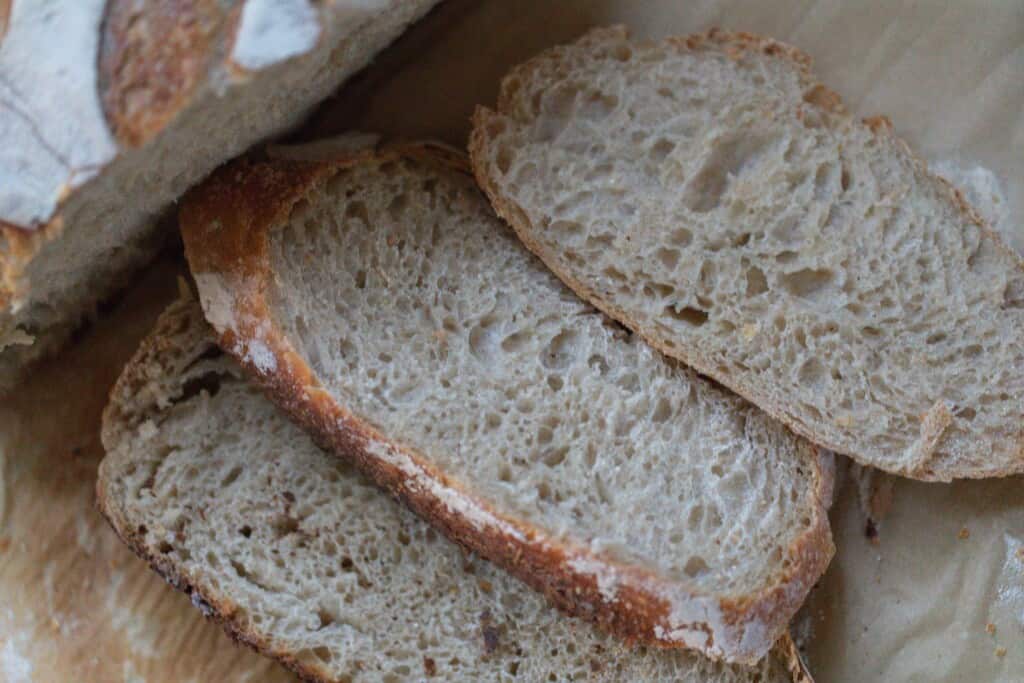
(111, 109)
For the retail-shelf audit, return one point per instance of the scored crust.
(733, 44)
(120, 418)
(225, 225)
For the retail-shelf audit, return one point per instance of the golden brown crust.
(788, 653)
(225, 225)
(817, 95)
(153, 56)
(18, 246)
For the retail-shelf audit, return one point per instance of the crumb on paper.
(1000, 652)
(990, 628)
(964, 534)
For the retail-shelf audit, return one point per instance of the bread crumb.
(964, 534)
(1020, 553)
(1000, 652)
(990, 629)
(429, 666)
(749, 331)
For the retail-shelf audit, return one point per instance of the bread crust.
(151, 72)
(225, 225)
(153, 56)
(734, 44)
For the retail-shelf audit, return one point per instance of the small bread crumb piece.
(1000, 652)
(990, 628)
(964, 533)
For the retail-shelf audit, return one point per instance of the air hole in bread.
(661, 149)
(231, 477)
(560, 350)
(662, 410)
(757, 283)
(1013, 295)
(556, 457)
(807, 283)
(681, 237)
(668, 257)
(728, 159)
(694, 317)
(812, 373)
(597, 106)
(695, 566)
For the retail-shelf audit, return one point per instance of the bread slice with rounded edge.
(300, 557)
(715, 198)
(385, 307)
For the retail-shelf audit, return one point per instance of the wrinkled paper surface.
(938, 595)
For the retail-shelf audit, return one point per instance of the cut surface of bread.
(387, 309)
(162, 92)
(301, 557)
(709, 194)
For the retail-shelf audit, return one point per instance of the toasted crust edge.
(246, 201)
(826, 99)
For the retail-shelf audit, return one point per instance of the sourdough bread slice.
(111, 109)
(387, 309)
(299, 556)
(709, 194)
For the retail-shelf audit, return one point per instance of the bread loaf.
(111, 109)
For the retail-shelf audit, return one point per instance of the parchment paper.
(915, 605)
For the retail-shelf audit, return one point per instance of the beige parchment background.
(914, 604)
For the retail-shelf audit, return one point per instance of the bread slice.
(299, 556)
(111, 109)
(387, 309)
(709, 194)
